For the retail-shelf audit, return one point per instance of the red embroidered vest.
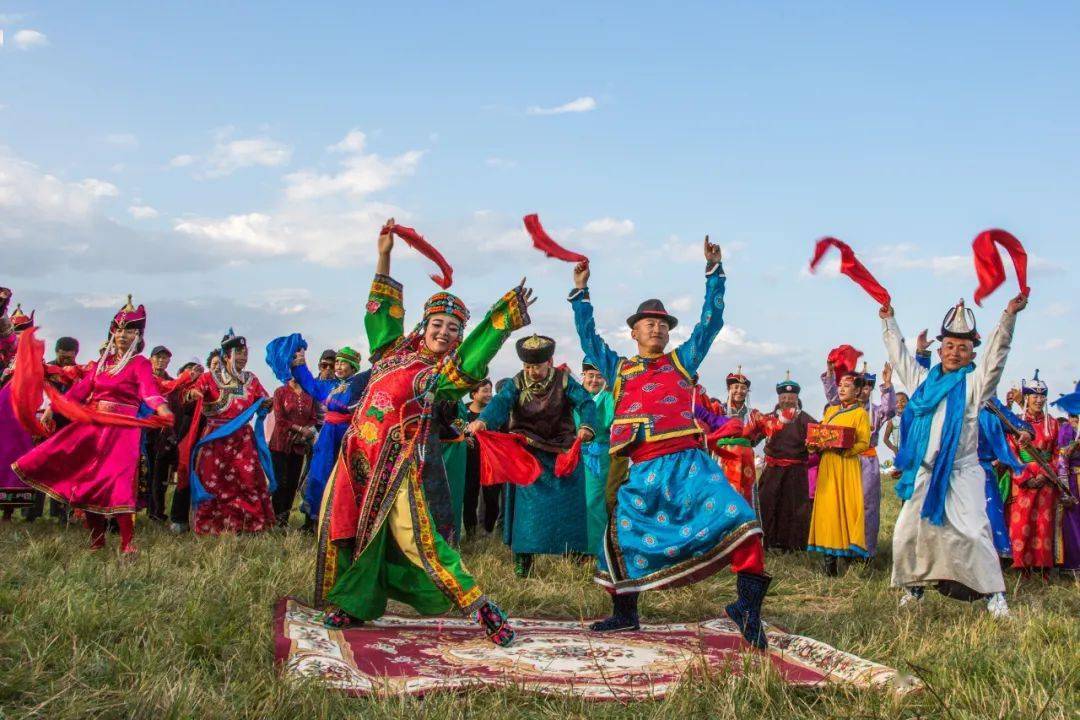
(654, 400)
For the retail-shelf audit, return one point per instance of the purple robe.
(1070, 518)
(14, 441)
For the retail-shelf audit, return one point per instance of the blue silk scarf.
(199, 493)
(915, 430)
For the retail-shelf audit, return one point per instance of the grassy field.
(184, 631)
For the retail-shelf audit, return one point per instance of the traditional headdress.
(348, 355)
(738, 377)
(231, 341)
(535, 349)
(1034, 387)
(787, 385)
(959, 323)
(129, 317)
(586, 365)
(868, 377)
(652, 308)
(443, 303)
(20, 320)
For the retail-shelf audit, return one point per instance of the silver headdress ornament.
(959, 323)
(1035, 387)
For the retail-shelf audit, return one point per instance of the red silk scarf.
(504, 458)
(566, 462)
(843, 359)
(988, 265)
(543, 242)
(850, 266)
(416, 241)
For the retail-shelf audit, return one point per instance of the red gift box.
(833, 437)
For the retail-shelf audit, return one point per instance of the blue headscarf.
(280, 352)
(915, 430)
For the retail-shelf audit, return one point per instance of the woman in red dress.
(228, 468)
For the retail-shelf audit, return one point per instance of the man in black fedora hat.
(675, 519)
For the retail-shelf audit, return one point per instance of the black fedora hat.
(652, 308)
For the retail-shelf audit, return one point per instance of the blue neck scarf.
(199, 493)
(915, 431)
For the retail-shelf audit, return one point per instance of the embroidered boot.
(624, 615)
(831, 566)
(339, 620)
(523, 564)
(746, 610)
(495, 623)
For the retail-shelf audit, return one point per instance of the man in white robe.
(958, 556)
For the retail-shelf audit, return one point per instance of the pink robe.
(95, 467)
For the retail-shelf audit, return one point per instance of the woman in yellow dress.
(836, 526)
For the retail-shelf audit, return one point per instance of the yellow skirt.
(837, 526)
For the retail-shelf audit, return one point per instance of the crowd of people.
(630, 463)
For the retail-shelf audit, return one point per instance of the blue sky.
(230, 165)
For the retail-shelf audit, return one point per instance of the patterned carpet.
(397, 655)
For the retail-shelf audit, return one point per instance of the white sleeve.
(906, 367)
(997, 352)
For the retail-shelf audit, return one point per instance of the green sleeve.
(584, 407)
(385, 318)
(469, 365)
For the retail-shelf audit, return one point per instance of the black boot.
(832, 566)
(746, 610)
(624, 615)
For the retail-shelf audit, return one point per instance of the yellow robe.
(837, 526)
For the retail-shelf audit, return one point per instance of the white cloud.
(609, 226)
(47, 223)
(228, 156)
(30, 39)
(182, 161)
(1053, 344)
(99, 300)
(580, 105)
(251, 231)
(498, 162)
(360, 173)
(99, 188)
(231, 154)
(123, 140)
(142, 212)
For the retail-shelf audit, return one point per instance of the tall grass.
(184, 631)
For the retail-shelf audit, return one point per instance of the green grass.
(184, 631)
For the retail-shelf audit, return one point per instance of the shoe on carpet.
(496, 624)
(616, 623)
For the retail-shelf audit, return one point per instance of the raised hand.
(386, 237)
(713, 254)
(886, 375)
(885, 311)
(1017, 304)
(581, 275)
(526, 293)
(923, 343)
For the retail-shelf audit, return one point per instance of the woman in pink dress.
(230, 492)
(95, 467)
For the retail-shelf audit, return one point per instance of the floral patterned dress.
(229, 467)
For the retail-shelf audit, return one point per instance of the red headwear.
(129, 317)
(20, 320)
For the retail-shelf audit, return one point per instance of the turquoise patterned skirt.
(676, 521)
